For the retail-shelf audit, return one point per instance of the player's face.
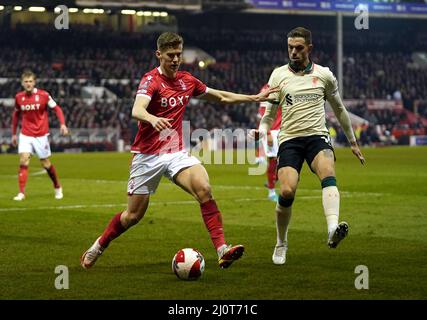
(298, 50)
(170, 59)
(28, 83)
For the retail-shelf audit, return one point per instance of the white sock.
(271, 192)
(331, 207)
(283, 217)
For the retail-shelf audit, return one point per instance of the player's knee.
(131, 218)
(204, 193)
(287, 192)
(24, 160)
(45, 163)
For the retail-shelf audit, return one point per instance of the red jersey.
(261, 111)
(169, 97)
(33, 108)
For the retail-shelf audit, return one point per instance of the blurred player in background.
(270, 144)
(32, 106)
(304, 87)
(161, 99)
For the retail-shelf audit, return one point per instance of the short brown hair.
(169, 40)
(28, 73)
(301, 32)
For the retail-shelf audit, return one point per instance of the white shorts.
(271, 151)
(37, 145)
(147, 169)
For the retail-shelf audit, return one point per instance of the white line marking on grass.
(38, 173)
(237, 187)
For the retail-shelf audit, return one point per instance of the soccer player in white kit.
(304, 87)
(158, 149)
(32, 106)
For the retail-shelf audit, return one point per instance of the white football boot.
(89, 258)
(58, 193)
(19, 197)
(279, 254)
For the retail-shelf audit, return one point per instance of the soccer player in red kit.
(271, 147)
(158, 149)
(32, 106)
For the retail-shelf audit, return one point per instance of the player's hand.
(263, 96)
(64, 130)
(14, 140)
(161, 123)
(356, 151)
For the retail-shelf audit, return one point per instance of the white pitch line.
(154, 203)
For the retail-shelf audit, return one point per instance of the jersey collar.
(307, 70)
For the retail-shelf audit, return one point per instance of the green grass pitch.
(384, 202)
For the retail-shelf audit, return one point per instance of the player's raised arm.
(343, 118)
(139, 112)
(226, 97)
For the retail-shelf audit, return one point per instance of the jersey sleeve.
(147, 87)
(50, 102)
(17, 107)
(199, 88)
(273, 82)
(331, 85)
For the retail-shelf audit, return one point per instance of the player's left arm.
(343, 118)
(227, 97)
(60, 115)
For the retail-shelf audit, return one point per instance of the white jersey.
(302, 98)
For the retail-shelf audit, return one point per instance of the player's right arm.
(271, 108)
(139, 112)
(15, 120)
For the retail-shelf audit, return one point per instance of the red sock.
(213, 221)
(52, 174)
(22, 178)
(271, 172)
(113, 230)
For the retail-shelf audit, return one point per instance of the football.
(188, 264)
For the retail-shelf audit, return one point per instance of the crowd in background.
(374, 68)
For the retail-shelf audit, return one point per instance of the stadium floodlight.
(1, 8)
(126, 11)
(147, 13)
(17, 8)
(73, 10)
(88, 10)
(37, 9)
(156, 14)
(140, 13)
(163, 14)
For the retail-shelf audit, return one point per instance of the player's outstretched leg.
(212, 218)
(113, 230)
(339, 234)
(122, 221)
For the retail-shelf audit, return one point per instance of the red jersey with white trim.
(33, 108)
(169, 97)
(261, 111)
